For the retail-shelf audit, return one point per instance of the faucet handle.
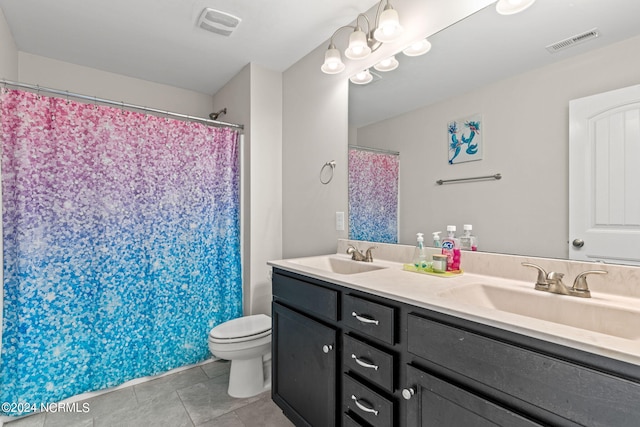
(580, 287)
(369, 256)
(542, 275)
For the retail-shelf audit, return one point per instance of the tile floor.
(196, 397)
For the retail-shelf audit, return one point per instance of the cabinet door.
(433, 402)
(304, 368)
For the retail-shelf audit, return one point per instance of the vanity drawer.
(576, 393)
(310, 298)
(372, 407)
(347, 421)
(368, 362)
(370, 318)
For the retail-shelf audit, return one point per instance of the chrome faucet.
(356, 255)
(552, 282)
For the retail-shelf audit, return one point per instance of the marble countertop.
(430, 292)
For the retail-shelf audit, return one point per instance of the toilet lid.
(242, 327)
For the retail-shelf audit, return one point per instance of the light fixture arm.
(331, 43)
(371, 41)
(366, 18)
(387, 5)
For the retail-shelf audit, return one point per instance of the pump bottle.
(451, 248)
(436, 239)
(468, 241)
(419, 254)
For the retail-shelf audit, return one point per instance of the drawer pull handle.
(327, 348)
(363, 363)
(365, 319)
(363, 407)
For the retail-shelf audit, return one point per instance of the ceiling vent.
(573, 40)
(218, 22)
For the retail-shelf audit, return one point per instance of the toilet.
(246, 342)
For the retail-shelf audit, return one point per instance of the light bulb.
(358, 47)
(418, 48)
(389, 28)
(332, 62)
(361, 78)
(387, 64)
(510, 7)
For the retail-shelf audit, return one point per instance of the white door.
(604, 177)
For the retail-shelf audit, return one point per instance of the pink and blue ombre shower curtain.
(121, 244)
(373, 195)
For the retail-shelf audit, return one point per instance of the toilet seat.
(241, 329)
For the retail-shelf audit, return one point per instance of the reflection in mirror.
(499, 67)
(373, 194)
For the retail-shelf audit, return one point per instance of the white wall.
(8, 52)
(526, 135)
(315, 128)
(314, 132)
(254, 97)
(266, 182)
(46, 72)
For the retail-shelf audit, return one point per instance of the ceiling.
(159, 40)
(487, 47)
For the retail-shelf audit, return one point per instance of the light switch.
(339, 221)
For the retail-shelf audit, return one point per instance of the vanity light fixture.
(418, 48)
(362, 43)
(361, 78)
(387, 64)
(389, 28)
(332, 61)
(510, 7)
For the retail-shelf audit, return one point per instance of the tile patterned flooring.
(196, 397)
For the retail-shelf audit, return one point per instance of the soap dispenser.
(468, 241)
(419, 255)
(436, 239)
(451, 248)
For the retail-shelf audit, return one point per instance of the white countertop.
(425, 291)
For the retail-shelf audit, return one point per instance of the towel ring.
(331, 164)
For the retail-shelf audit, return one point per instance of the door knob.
(578, 243)
(327, 348)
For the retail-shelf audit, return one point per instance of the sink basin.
(334, 264)
(605, 317)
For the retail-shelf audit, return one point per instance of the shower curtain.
(373, 195)
(121, 244)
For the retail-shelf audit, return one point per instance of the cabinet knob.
(578, 243)
(408, 393)
(327, 348)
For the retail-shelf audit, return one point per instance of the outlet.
(339, 221)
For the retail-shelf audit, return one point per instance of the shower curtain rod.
(64, 93)
(374, 150)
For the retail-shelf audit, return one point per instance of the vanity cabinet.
(395, 364)
(305, 352)
(546, 387)
(369, 362)
(435, 402)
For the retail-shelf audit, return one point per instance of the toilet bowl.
(246, 342)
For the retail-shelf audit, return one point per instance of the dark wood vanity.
(344, 357)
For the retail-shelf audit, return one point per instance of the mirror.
(498, 67)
